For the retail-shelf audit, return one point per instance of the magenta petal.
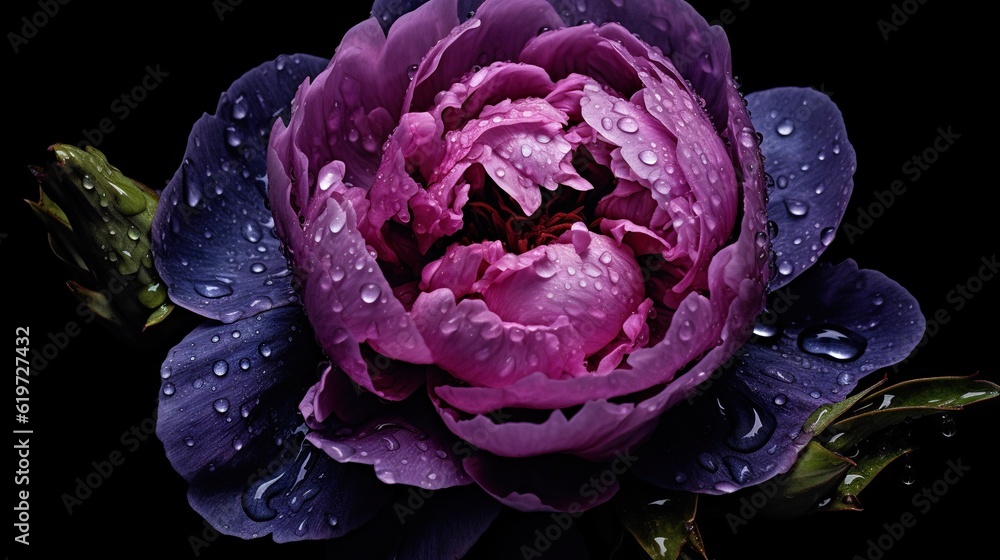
(474, 344)
(405, 442)
(350, 302)
(498, 32)
(690, 332)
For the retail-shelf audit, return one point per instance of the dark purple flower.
(492, 250)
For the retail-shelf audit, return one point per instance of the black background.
(895, 94)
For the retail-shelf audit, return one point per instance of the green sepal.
(814, 475)
(662, 521)
(904, 401)
(827, 414)
(869, 464)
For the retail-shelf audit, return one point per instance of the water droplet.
(826, 236)
(648, 157)
(545, 268)
(220, 368)
(221, 406)
(239, 108)
(212, 290)
(796, 207)
(332, 520)
(628, 125)
(169, 389)
(845, 378)
(245, 364)
(948, 426)
(815, 394)
(785, 268)
(257, 495)
(264, 349)
(390, 442)
(441, 454)
(257, 268)
(780, 399)
(233, 137)
(785, 127)
(779, 374)
(686, 330)
(764, 330)
(251, 232)
(370, 293)
(525, 150)
(909, 475)
(189, 441)
(878, 301)
(739, 469)
(707, 462)
(411, 71)
(832, 342)
(607, 123)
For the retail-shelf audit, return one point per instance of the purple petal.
(549, 483)
(215, 203)
(333, 142)
(690, 333)
(350, 302)
(497, 32)
(406, 442)
(836, 324)
(700, 52)
(227, 415)
(813, 164)
(596, 432)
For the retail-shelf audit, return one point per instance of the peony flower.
(496, 253)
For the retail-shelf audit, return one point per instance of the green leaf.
(829, 413)
(814, 475)
(869, 464)
(907, 400)
(661, 521)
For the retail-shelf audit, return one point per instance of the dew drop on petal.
(832, 342)
(370, 292)
(785, 127)
(648, 157)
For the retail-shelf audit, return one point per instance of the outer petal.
(227, 415)
(700, 52)
(813, 164)
(745, 427)
(213, 243)
(497, 32)
(405, 442)
(351, 302)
